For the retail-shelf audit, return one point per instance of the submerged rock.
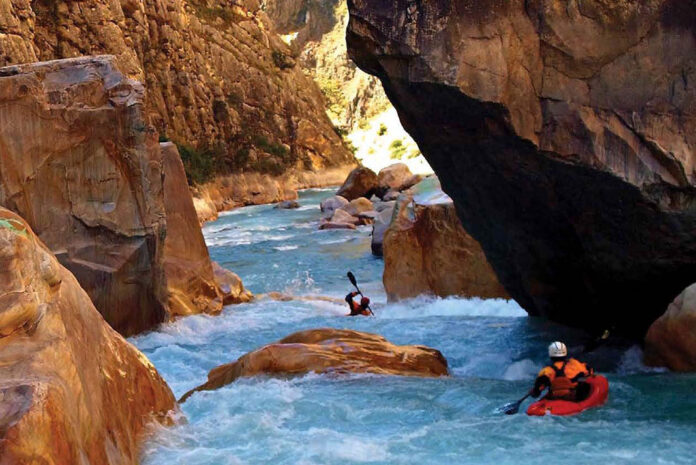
(73, 391)
(671, 339)
(85, 171)
(427, 251)
(288, 205)
(333, 351)
(361, 182)
(565, 133)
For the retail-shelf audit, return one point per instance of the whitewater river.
(493, 350)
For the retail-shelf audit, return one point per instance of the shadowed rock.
(72, 390)
(330, 351)
(361, 182)
(565, 134)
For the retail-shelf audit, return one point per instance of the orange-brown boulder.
(81, 166)
(361, 182)
(671, 339)
(329, 350)
(72, 390)
(394, 177)
(427, 251)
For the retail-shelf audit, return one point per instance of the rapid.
(494, 351)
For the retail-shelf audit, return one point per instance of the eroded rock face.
(564, 132)
(71, 389)
(671, 339)
(81, 166)
(217, 74)
(329, 350)
(427, 251)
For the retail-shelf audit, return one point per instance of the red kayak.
(598, 395)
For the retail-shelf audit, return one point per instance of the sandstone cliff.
(218, 78)
(333, 351)
(426, 250)
(564, 131)
(79, 163)
(71, 389)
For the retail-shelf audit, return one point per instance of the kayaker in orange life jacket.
(358, 308)
(563, 377)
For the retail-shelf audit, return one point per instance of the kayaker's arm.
(542, 382)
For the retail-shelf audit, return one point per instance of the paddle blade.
(511, 408)
(351, 276)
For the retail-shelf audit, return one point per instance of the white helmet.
(558, 349)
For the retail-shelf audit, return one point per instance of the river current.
(494, 351)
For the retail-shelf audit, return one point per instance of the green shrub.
(398, 149)
(382, 130)
(202, 164)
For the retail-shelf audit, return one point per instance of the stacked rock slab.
(72, 390)
(329, 350)
(427, 251)
(565, 133)
(81, 166)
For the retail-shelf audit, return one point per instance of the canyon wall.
(355, 100)
(71, 389)
(565, 132)
(219, 80)
(79, 163)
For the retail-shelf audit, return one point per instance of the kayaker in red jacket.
(358, 308)
(563, 377)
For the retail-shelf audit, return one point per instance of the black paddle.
(354, 282)
(514, 407)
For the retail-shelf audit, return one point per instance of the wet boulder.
(73, 390)
(380, 225)
(361, 182)
(287, 205)
(330, 351)
(671, 339)
(333, 225)
(358, 206)
(330, 205)
(427, 251)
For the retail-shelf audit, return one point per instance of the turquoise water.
(492, 348)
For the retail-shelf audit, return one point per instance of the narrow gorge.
(347, 232)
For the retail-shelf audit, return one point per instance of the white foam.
(632, 362)
(284, 248)
(453, 306)
(521, 370)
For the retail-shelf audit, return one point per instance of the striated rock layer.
(329, 350)
(426, 250)
(218, 76)
(78, 162)
(565, 134)
(71, 389)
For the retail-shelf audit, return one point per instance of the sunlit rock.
(671, 339)
(72, 390)
(427, 251)
(86, 172)
(330, 351)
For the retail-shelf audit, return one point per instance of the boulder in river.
(332, 204)
(394, 177)
(565, 132)
(358, 206)
(380, 225)
(427, 251)
(671, 339)
(361, 182)
(331, 351)
(287, 205)
(333, 225)
(81, 166)
(72, 390)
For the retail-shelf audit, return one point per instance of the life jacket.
(356, 309)
(564, 378)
